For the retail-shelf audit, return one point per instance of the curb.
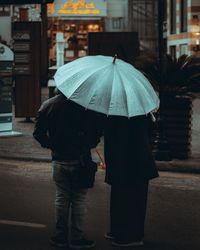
(24, 158)
(180, 166)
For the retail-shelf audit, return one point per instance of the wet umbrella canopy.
(106, 85)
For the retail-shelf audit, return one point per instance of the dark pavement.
(27, 209)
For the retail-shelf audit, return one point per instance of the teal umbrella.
(106, 85)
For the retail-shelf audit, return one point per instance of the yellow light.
(80, 12)
(51, 8)
(74, 8)
(78, 5)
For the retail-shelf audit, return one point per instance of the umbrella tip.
(114, 58)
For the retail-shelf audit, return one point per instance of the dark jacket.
(127, 150)
(66, 128)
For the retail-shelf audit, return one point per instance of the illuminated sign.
(25, 1)
(78, 8)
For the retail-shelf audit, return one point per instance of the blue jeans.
(70, 202)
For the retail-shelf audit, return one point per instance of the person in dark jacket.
(129, 167)
(67, 129)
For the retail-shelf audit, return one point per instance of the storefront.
(74, 20)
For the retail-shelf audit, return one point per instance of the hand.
(154, 110)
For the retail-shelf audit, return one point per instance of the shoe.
(82, 243)
(58, 241)
(109, 236)
(119, 243)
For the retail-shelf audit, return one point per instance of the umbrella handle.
(114, 58)
(153, 118)
(102, 163)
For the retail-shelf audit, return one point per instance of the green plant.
(179, 76)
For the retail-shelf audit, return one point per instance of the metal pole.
(161, 147)
(161, 47)
(44, 45)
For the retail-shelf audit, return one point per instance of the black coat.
(127, 150)
(66, 128)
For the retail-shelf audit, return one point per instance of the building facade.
(143, 18)
(183, 27)
(114, 14)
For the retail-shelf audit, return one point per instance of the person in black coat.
(70, 132)
(129, 167)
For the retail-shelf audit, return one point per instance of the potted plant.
(179, 80)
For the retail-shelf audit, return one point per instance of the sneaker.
(58, 241)
(118, 243)
(109, 236)
(82, 243)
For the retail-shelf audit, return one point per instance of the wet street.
(27, 209)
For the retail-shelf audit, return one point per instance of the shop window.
(173, 51)
(173, 16)
(4, 10)
(117, 23)
(183, 17)
(75, 34)
(165, 45)
(183, 49)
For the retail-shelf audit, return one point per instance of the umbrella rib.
(94, 91)
(111, 90)
(149, 96)
(59, 74)
(125, 94)
(87, 79)
(143, 87)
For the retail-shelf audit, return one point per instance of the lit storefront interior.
(69, 24)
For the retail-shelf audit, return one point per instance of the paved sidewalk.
(26, 148)
(27, 209)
